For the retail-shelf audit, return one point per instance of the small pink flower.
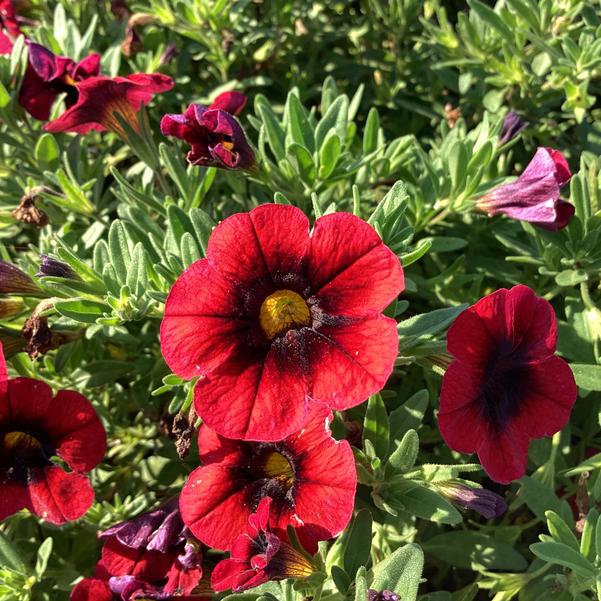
(534, 196)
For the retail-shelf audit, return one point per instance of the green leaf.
(428, 324)
(341, 579)
(370, 134)
(361, 585)
(588, 538)
(409, 415)
(563, 555)
(428, 505)
(376, 427)
(4, 96)
(570, 277)
(273, 130)
(400, 572)
(335, 118)
(9, 556)
(119, 250)
(491, 18)
(358, 545)
(44, 551)
(46, 149)
(82, 310)
(403, 457)
(329, 154)
(587, 376)
(475, 551)
(457, 160)
(302, 161)
(560, 531)
(540, 498)
(300, 128)
(423, 246)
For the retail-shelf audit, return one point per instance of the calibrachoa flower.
(162, 531)
(49, 75)
(8, 24)
(35, 426)
(384, 595)
(487, 503)
(259, 556)
(15, 281)
(276, 319)
(50, 266)
(156, 561)
(100, 98)
(309, 476)
(513, 124)
(534, 197)
(506, 385)
(216, 137)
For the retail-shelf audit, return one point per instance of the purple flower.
(513, 124)
(534, 196)
(487, 503)
(55, 268)
(15, 281)
(216, 137)
(384, 595)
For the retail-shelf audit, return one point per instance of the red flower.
(101, 97)
(8, 23)
(309, 476)
(216, 137)
(534, 197)
(506, 384)
(49, 75)
(275, 320)
(34, 426)
(259, 556)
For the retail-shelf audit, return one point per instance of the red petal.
(75, 431)
(504, 456)
(120, 560)
(230, 574)
(214, 504)
(548, 401)
(91, 589)
(3, 377)
(14, 497)
(251, 399)
(338, 240)
(231, 102)
(27, 400)
(460, 416)
(182, 581)
(87, 67)
(351, 361)
(370, 284)
(562, 169)
(213, 448)
(325, 481)
(58, 496)
(468, 338)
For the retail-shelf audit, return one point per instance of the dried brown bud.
(452, 115)
(132, 42)
(183, 430)
(27, 212)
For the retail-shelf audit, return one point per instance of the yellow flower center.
(275, 465)
(21, 441)
(282, 311)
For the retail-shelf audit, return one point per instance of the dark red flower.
(34, 427)
(276, 319)
(158, 535)
(216, 137)
(486, 502)
(100, 98)
(259, 556)
(15, 281)
(534, 196)
(49, 75)
(309, 476)
(506, 385)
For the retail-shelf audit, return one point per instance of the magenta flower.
(49, 75)
(216, 137)
(534, 196)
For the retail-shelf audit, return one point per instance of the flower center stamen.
(276, 466)
(21, 441)
(282, 311)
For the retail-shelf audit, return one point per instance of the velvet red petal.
(182, 581)
(120, 560)
(338, 240)
(200, 329)
(214, 504)
(348, 362)
(14, 497)
(3, 377)
(27, 400)
(504, 455)
(256, 399)
(58, 496)
(231, 574)
(76, 432)
(91, 589)
(230, 102)
(370, 284)
(548, 401)
(213, 448)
